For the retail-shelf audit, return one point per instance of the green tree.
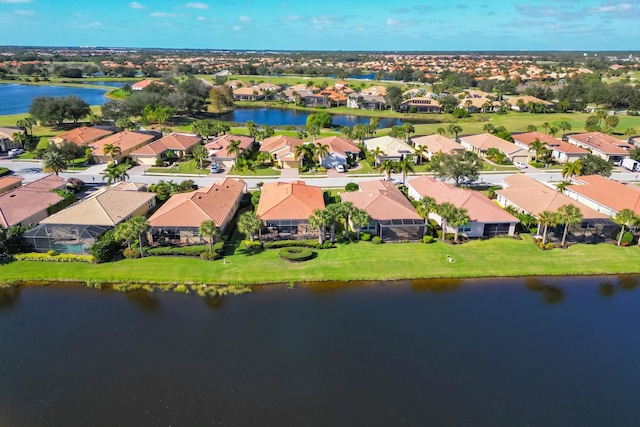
(233, 149)
(570, 169)
(249, 224)
(359, 218)
(407, 129)
(393, 97)
(112, 151)
(564, 126)
(321, 151)
(426, 206)
(200, 153)
(625, 218)
(113, 173)
(387, 168)
(405, 166)
(594, 165)
(458, 220)
(447, 212)
(321, 219)
(454, 130)
(568, 215)
(420, 151)
(54, 161)
(460, 165)
(547, 219)
(537, 147)
(210, 230)
(592, 124)
(321, 119)
(27, 124)
(139, 226)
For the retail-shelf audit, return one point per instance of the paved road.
(31, 171)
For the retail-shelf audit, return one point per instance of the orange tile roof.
(146, 82)
(529, 137)
(23, 202)
(485, 141)
(219, 145)
(174, 141)
(125, 140)
(81, 136)
(289, 200)
(280, 144)
(607, 192)
(601, 142)
(209, 203)
(339, 144)
(437, 143)
(382, 201)
(9, 182)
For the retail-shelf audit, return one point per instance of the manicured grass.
(365, 168)
(355, 261)
(186, 167)
(486, 166)
(260, 170)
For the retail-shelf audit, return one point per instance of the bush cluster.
(325, 245)
(627, 238)
(428, 239)
(36, 256)
(365, 237)
(131, 253)
(179, 250)
(210, 256)
(376, 240)
(277, 244)
(6, 258)
(296, 254)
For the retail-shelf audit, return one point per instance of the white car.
(341, 169)
(520, 165)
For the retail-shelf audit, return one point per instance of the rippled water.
(16, 98)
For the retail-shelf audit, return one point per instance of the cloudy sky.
(423, 25)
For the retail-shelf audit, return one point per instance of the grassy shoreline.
(361, 261)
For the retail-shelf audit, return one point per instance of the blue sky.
(425, 25)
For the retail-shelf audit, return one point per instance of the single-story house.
(475, 104)
(603, 194)
(421, 104)
(8, 183)
(514, 103)
(601, 145)
(180, 217)
(253, 93)
(6, 138)
(127, 141)
(285, 207)
(29, 204)
(393, 217)
(179, 144)
(487, 218)
(392, 148)
(340, 150)
(218, 148)
(81, 136)
(366, 102)
(76, 228)
(143, 84)
(479, 144)
(282, 149)
(436, 144)
(561, 151)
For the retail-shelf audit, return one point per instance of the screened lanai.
(64, 238)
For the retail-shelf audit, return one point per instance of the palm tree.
(426, 206)
(199, 154)
(359, 218)
(139, 226)
(489, 128)
(546, 219)
(441, 131)
(568, 215)
(387, 167)
(210, 230)
(420, 151)
(537, 147)
(54, 161)
(553, 131)
(459, 219)
(314, 130)
(454, 130)
(249, 224)
(321, 150)
(113, 173)
(233, 150)
(564, 125)
(405, 166)
(124, 231)
(532, 128)
(376, 155)
(546, 126)
(111, 150)
(300, 153)
(446, 211)
(374, 122)
(321, 219)
(630, 131)
(570, 169)
(625, 218)
(407, 129)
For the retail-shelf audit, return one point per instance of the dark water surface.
(517, 352)
(16, 98)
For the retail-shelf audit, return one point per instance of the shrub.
(6, 258)
(277, 244)
(35, 256)
(325, 245)
(131, 253)
(321, 169)
(376, 240)
(180, 250)
(352, 186)
(105, 248)
(296, 254)
(51, 252)
(210, 256)
(428, 239)
(249, 244)
(218, 247)
(627, 238)
(365, 237)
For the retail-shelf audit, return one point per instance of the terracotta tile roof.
(601, 142)
(146, 82)
(107, 207)
(382, 201)
(125, 140)
(529, 137)
(289, 200)
(607, 192)
(534, 197)
(340, 145)
(209, 203)
(526, 99)
(81, 136)
(218, 146)
(389, 145)
(437, 143)
(23, 202)
(174, 141)
(280, 145)
(485, 141)
(9, 182)
(479, 208)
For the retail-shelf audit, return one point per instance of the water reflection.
(9, 297)
(628, 283)
(143, 299)
(436, 285)
(606, 289)
(214, 303)
(550, 294)
(323, 288)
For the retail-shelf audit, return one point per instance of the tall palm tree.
(321, 219)
(454, 130)
(124, 231)
(547, 219)
(407, 129)
(233, 149)
(359, 218)
(405, 166)
(321, 150)
(200, 153)
(54, 161)
(426, 206)
(546, 126)
(447, 211)
(139, 226)
(210, 230)
(625, 218)
(564, 125)
(249, 224)
(387, 167)
(111, 151)
(570, 169)
(420, 151)
(537, 147)
(568, 215)
(441, 131)
(113, 173)
(459, 219)
(376, 155)
(300, 153)
(553, 131)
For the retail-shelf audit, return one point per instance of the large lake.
(495, 352)
(16, 98)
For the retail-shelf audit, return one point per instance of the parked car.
(215, 169)
(15, 152)
(520, 165)
(341, 169)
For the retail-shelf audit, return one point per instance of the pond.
(499, 352)
(16, 98)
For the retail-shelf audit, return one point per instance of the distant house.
(76, 228)
(126, 141)
(392, 148)
(253, 93)
(81, 136)
(8, 183)
(487, 219)
(285, 207)
(340, 151)
(179, 219)
(527, 100)
(393, 217)
(282, 149)
(6, 138)
(179, 144)
(601, 145)
(561, 151)
(366, 102)
(603, 194)
(218, 148)
(479, 144)
(143, 84)
(421, 104)
(31, 203)
(436, 144)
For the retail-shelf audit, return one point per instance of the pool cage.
(64, 238)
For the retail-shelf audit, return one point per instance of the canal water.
(494, 352)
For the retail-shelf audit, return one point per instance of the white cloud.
(15, 1)
(201, 18)
(289, 18)
(23, 12)
(197, 5)
(135, 5)
(237, 28)
(165, 15)
(621, 7)
(392, 22)
(244, 19)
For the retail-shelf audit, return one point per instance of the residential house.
(392, 148)
(393, 217)
(176, 143)
(421, 104)
(76, 228)
(527, 100)
(476, 104)
(561, 152)
(8, 183)
(479, 144)
(252, 93)
(81, 136)
(603, 194)
(366, 102)
(436, 143)
(487, 218)
(285, 207)
(143, 84)
(282, 149)
(126, 141)
(601, 145)
(340, 151)
(218, 148)
(6, 138)
(31, 203)
(179, 218)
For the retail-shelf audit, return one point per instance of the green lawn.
(188, 167)
(355, 261)
(486, 166)
(365, 168)
(260, 170)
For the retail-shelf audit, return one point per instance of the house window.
(464, 228)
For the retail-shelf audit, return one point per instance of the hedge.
(35, 256)
(4, 171)
(179, 250)
(277, 244)
(296, 254)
